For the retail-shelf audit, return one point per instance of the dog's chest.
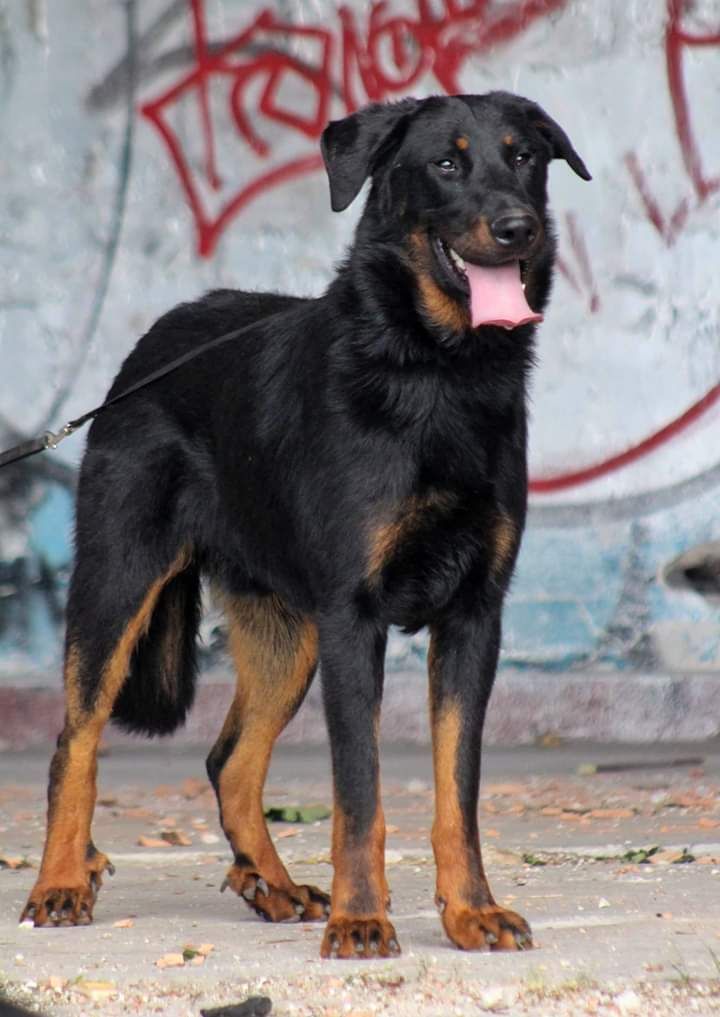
(422, 551)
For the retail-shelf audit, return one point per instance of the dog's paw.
(274, 903)
(67, 898)
(60, 906)
(486, 928)
(353, 938)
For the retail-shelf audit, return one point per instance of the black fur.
(353, 455)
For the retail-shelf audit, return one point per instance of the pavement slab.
(618, 874)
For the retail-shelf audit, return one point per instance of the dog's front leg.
(462, 661)
(351, 661)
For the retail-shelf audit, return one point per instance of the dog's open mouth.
(496, 293)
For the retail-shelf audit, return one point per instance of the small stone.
(628, 1002)
(603, 903)
(56, 983)
(209, 838)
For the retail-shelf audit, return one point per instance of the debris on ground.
(254, 1006)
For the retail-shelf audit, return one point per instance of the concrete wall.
(137, 172)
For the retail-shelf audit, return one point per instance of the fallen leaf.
(689, 800)
(137, 812)
(151, 842)
(611, 813)
(124, 923)
(165, 791)
(708, 824)
(282, 834)
(176, 837)
(6, 862)
(56, 982)
(296, 813)
(191, 951)
(98, 992)
(170, 960)
(530, 859)
(491, 832)
(548, 741)
(671, 857)
(504, 790)
(192, 787)
(639, 856)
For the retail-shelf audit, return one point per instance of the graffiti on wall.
(238, 104)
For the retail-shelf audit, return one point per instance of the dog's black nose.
(514, 229)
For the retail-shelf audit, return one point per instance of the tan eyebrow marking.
(508, 139)
(462, 143)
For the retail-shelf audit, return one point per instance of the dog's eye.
(522, 158)
(446, 165)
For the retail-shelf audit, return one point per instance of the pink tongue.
(497, 297)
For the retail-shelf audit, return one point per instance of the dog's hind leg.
(106, 619)
(275, 653)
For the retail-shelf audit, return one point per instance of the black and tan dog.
(351, 462)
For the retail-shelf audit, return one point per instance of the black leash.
(51, 439)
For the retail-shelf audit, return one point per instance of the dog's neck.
(380, 282)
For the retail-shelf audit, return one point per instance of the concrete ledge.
(602, 706)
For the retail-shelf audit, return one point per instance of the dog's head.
(460, 184)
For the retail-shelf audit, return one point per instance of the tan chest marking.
(386, 537)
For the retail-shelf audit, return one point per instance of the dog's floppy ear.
(559, 142)
(351, 147)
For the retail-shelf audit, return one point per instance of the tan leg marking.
(275, 658)
(69, 875)
(504, 540)
(358, 924)
(471, 918)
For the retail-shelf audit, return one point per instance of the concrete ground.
(615, 933)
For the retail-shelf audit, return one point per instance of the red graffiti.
(563, 481)
(256, 69)
(582, 281)
(677, 41)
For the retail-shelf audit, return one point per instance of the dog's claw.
(491, 938)
(224, 885)
(263, 887)
(110, 869)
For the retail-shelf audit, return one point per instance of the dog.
(351, 462)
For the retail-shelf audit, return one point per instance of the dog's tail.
(160, 686)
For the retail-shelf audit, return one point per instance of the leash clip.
(52, 439)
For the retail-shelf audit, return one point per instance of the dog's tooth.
(457, 259)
